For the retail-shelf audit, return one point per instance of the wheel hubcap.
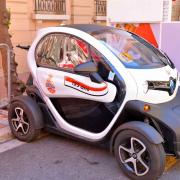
(20, 122)
(133, 154)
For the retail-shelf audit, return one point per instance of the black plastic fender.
(33, 107)
(146, 130)
(33, 90)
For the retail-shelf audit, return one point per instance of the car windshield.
(133, 51)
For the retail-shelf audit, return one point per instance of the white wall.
(170, 41)
(134, 11)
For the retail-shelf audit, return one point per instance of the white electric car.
(100, 84)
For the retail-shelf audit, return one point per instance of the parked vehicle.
(100, 84)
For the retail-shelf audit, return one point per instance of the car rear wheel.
(22, 119)
(138, 157)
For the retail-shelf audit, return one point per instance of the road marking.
(10, 145)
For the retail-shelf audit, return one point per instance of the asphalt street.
(57, 158)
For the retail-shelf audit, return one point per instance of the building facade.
(176, 10)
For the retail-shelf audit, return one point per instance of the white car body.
(134, 80)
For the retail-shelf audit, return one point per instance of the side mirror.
(91, 69)
(86, 68)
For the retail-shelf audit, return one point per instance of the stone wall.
(82, 11)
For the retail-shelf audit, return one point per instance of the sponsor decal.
(50, 85)
(126, 57)
(98, 90)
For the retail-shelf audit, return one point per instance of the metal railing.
(2, 45)
(50, 7)
(100, 8)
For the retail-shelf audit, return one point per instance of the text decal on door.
(94, 89)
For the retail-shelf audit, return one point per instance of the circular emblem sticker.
(50, 85)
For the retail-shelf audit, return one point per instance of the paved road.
(58, 158)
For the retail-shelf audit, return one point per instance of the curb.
(6, 135)
(3, 103)
(5, 132)
(3, 112)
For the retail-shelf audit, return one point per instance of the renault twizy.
(100, 84)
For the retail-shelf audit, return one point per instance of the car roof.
(89, 28)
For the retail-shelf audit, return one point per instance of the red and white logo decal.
(94, 89)
(50, 85)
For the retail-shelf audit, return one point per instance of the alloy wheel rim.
(20, 122)
(134, 156)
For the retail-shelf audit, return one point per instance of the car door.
(78, 99)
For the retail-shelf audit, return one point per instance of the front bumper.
(167, 114)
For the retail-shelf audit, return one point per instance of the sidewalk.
(5, 133)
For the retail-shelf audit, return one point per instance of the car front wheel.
(139, 158)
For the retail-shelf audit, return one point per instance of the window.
(131, 50)
(61, 51)
(96, 55)
(48, 50)
(100, 60)
(76, 52)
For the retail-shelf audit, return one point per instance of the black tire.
(153, 156)
(31, 113)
